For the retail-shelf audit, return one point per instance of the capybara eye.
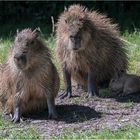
(29, 44)
(71, 37)
(19, 39)
(32, 42)
(24, 52)
(113, 80)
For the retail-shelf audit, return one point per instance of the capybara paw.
(91, 95)
(122, 95)
(53, 116)
(16, 115)
(16, 118)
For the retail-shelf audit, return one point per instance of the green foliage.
(4, 47)
(17, 12)
(133, 46)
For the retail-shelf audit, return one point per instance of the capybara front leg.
(17, 108)
(51, 108)
(67, 81)
(92, 87)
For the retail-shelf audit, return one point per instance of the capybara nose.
(19, 56)
(75, 48)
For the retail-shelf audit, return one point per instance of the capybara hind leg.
(92, 87)
(51, 108)
(8, 107)
(67, 81)
(17, 109)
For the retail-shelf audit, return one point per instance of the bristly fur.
(123, 84)
(38, 82)
(102, 52)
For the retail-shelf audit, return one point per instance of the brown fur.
(33, 85)
(124, 84)
(101, 51)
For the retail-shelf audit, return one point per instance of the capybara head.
(24, 48)
(76, 28)
(117, 83)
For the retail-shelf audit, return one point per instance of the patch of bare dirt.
(80, 114)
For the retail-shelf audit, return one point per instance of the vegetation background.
(35, 13)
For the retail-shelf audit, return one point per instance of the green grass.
(133, 47)
(5, 44)
(127, 132)
(11, 131)
(128, 104)
(104, 93)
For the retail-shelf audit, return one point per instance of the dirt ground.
(81, 114)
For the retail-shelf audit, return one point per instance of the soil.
(82, 114)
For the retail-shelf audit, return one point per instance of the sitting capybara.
(29, 80)
(123, 84)
(89, 48)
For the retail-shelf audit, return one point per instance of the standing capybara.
(88, 47)
(123, 84)
(29, 80)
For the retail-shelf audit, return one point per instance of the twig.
(65, 8)
(52, 23)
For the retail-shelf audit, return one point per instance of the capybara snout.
(75, 39)
(20, 60)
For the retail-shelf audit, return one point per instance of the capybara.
(29, 80)
(123, 84)
(89, 48)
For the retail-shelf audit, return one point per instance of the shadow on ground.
(134, 97)
(68, 114)
(77, 113)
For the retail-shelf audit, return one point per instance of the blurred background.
(22, 14)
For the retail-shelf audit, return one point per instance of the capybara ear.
(65, 9)
(36, 32)
(17, 31)
(119, 74)
(123, 71)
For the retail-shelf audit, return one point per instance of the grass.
(104, 93)
(133, 47)
(127, 132)
(4, 47)
(129, 104)
(9, 130)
